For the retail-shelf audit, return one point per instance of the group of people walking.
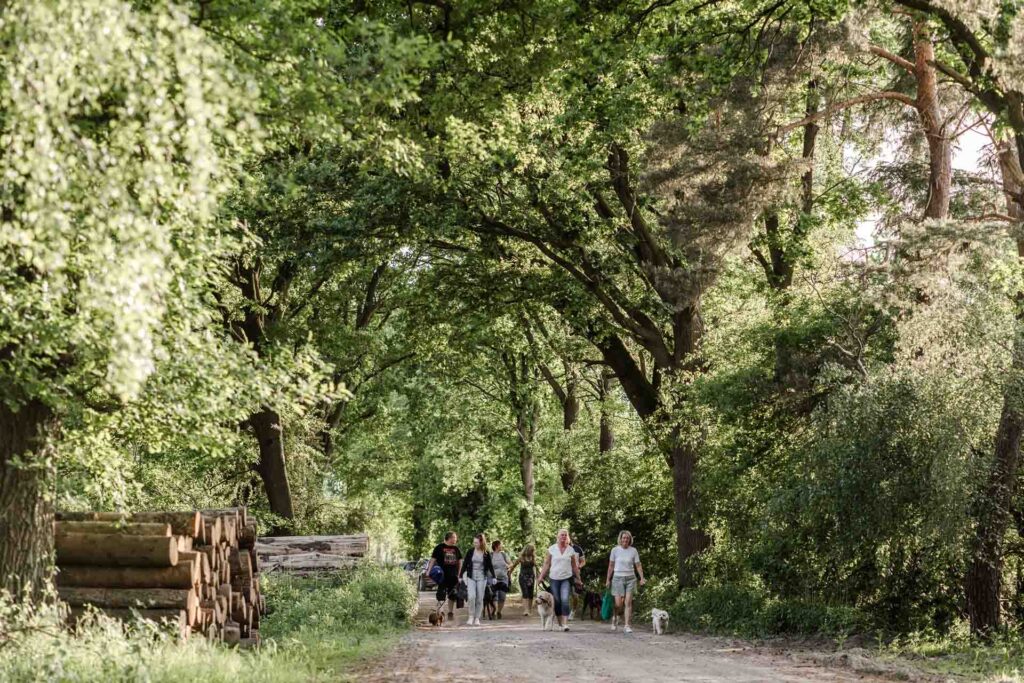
(486, 566)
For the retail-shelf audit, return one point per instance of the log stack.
(197, 569)
(305, 555)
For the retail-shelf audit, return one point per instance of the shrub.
(746, 611)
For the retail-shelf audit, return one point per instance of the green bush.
(746, 611)
(375, 599)
(316, 630)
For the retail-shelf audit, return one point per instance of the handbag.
(607, 606)
(461, 594)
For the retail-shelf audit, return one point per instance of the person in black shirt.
(448, 557)
(578, 591)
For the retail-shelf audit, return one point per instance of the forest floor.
(515, 649)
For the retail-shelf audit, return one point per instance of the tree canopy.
(741, 276)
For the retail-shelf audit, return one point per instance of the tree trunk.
(689, 540)
(27, 481)
(266, 425)
(526, 426)
(647, 400)
(940, 149)
(332, 419)
(984, 574)
(982, 583)
(419, 527)
(570, 414)
(606, 440)
(571, 405)
(788, 370)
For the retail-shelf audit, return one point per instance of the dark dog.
(436, 618)
(489, 606)
(592, 604)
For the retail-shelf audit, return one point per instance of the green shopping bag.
(607, 606)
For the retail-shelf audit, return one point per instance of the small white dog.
(546, 610)
(659, 620)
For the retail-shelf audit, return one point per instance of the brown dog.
(436, 618)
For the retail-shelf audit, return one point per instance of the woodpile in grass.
(197, 569)
(307, 555)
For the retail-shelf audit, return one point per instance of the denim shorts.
(623, 585)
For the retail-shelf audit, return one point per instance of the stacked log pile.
(305, 555)
(197, 569)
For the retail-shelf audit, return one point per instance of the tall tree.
(329, 89)
(986, 46)
(113, 167)
(590, 177)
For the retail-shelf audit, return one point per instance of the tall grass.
(317, 630)
(748, 612)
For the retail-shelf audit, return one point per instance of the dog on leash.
(436, 618)
(592, 604)
(546, 610)
(659, 620)
(489, 606)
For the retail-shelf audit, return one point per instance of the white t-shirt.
(624, 560)
(561, 563)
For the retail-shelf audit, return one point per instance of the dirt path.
(515, 649)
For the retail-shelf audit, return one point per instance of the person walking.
(502, 572)
(623, 567)
(476, 569)
(577, 592)
(447, 556)
(560, 563)
(527, 563)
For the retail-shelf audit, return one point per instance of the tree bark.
(690, 541)
(266, 425)
(782, 254)
(182, 575)
(27, 483)
(570, 414)
(568, 398)
(526, 425)
(983, 582)
(606, 440)
(116, 551)
(940, 148)
(419, 527)
(682, 456)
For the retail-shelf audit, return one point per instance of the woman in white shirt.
(562, 563)
(622, 578)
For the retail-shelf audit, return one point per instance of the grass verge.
(318, 629)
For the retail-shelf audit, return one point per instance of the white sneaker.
(627, 630)
(476, 621)
(615, 623)
(469, 622)
(565, 627)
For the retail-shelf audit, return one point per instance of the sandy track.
(515, 649)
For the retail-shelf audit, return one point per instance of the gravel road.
(515, 649)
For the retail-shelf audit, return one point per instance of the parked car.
(424, 583)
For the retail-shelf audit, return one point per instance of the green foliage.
(117, 156)
(958, 654)
(317, 630)
(409, 228)
(750, 612)
(371, 599)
